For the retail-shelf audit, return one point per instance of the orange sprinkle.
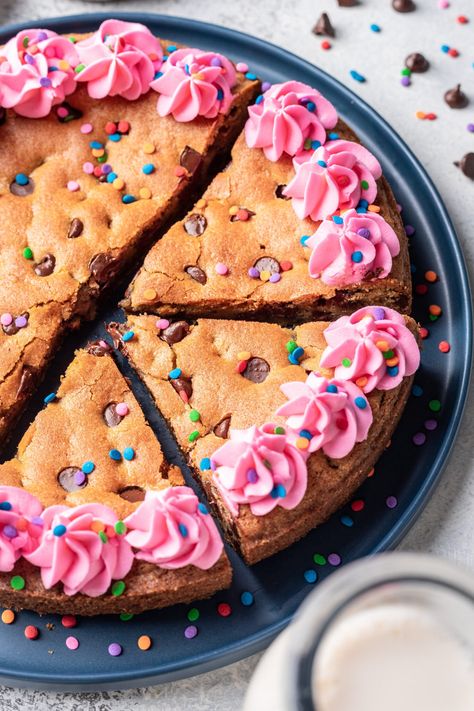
(233, 210)
(22, 524)
(302, 443)
(110, 532)
(373, 208)
(97, 526)
(361, 382)
(420, 114)
(123, 126)
(63, 65)
(149, 148)
(98, 152)
(201, 204)
(434, 309)
(382, 346)
(144, 642)
(244, 355)
(119, 183)
(391, 362)
(444, 347)
(145, 193)
(8, 616)
(149, 294)
(431, 276)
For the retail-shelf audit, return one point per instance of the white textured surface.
(445, 527)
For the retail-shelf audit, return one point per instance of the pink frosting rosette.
(194, 83)
(37, 72)
(80, 548)
(332, 414)
(120, 59)
(335, 176)
(171, 529)
(349, 248)
(287, 116)
(372, 347)
(260, 467)
(20, 525)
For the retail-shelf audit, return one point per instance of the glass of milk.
(389, 633)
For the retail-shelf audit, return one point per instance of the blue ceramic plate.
(387, 504)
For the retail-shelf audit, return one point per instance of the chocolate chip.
(175, 332)
(67, 479)
(72, 113)
(417, 63)
(3, 115)
(75, 228)
(324, 27)
(280, 194)
(27, 382)
(116, 331)
(182, 384)
(222, 428)
(111, 416)
(403, 5)
(98, 348)
(196, 273)
(347, 3)
(22, 190)
(190, 159)
(456, 98)
(45, 267)
(267, 264)
(104, 268)
(195, 224)
(466, 164)
(132, 494)
(256, 370)
(12, 328)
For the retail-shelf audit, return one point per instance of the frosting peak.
(352, 247)
(372, 347)
(37, 72)
(194, 83)
(332, 414)
(172, 529)
(120, 59)
(260, 467)
(335, 176)
(288, 116)
(20, 525)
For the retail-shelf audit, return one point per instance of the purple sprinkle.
(470, 127)
(275, 277)
(106, 168)
(334, 559)
(254, 273)
(37, 521)
(399, 207)
(405, 81)
(21, 321)
(391, 501)
(79, 478)
(419, 438)
(431, 424)
(409, 230)
(252, 476)
(114, 649)
(30, 59)
(379, 313)
(216, 62)
(10, 531)
(44, 81)
(190, 632)
(42, 36)
(364, 232)
(213, 466)
(265, 86)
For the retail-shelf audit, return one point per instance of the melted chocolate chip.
(116, 331)
(417, 63)
(222, 428)
(22, 190)
(456, 98)
(256, 370)
(403, 5)
(111, 416)
(324, 27)
(190, 159)
(72, 113)
(195, 224)
(196, 273)
(27, 382)
(46, 266)
(267, 264)
(75, 228)
(279, 192)
(175, 332)
(466, 164)
(12, 328)
(132, 494)
(67, 479)
(98, 348)
(104, 268)
(184, 384)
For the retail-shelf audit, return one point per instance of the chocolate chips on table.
(45, 267)
(196, 273)
(190, 159)
(466, 164)
(456, 98)
(222, 428)
(403, 5)
(417, 63)
(347, 3)
(256, 370)
(70, 477)
(75, 228)
(323, 26)
(111, 416)
(175, 332)
(195, 224)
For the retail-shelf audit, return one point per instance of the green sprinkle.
(267, 464)
(28, 253)
(307, 144)
(103, 537)
(73, 40)
(434, 405)
(432, 317)
(17, 582)
(26, 41)
(194, 416)
(193, 614)
(126, 616)
(79, 68)
(291, 345)
(193, 436)
(120, 528)
(346, 362)
(279, 430)
(388, 354)
(406, 72)
(102, 159)
(118, 588)
(364, 185)
(319, 559)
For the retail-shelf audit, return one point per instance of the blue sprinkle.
(183, 530)
(158, 75)
(445, 48)
(49, 398)
(363, 203)
(412, 268)
(331, 389)
(127, 199)
(202, 508)
(59, 530)
(315, 145)
(128, 453)
(165, 57)
(310, 576)
(295, 356)
(220, 94)
(374, 27)
(278, 492)
(115, 137)
(128, 336)
(311, 106)
(251, 76)
(148, 168)
(115, 455)
(186, 69)
(338, 220)
(393, 371)
(88, 467)
(175, 373)
(360, 402)
(357, 257)
(171, 48)
(21, 179)
(347, 521)
(322, 163)
(361, 210)
(5, 506)
(358, 77)
(333, 136)
(417, 390)
(304, 239)
(246, 598)
(205, 464)
(52, 69)
(111, 177)
(259, 99)
(306, 434)
(96, 144)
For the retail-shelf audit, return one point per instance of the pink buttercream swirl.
(349, 248)
(332, 414)
(20, 525)
(37, 72)
(73, 553)
(287, 116)
(335, 176)
(260, 468)
(172, 529)
(372, 347)
(194, 83)
(120, 59)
